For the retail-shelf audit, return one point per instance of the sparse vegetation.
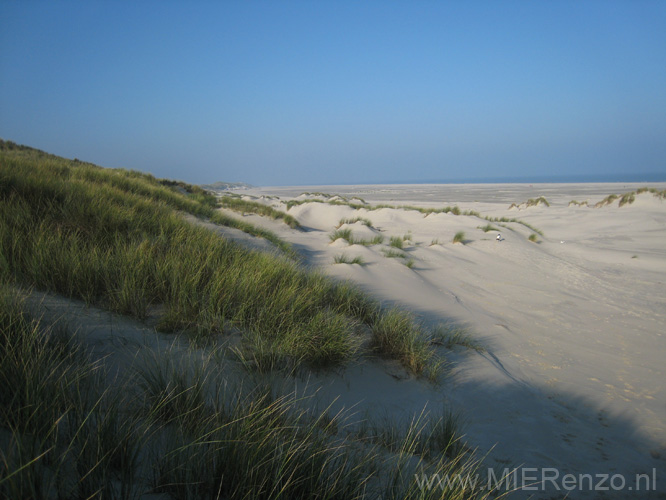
(345, 234)
(317, 193)
(410, 263)
(245, 206)
(487, 228)
(390, 253)
(353, 220)
(517, 221)
(578, 203)
(450, 335)
(434, 241)
(342, 201)
(398, 334)
(532, 202)
(396, 242)
(629, 197)
(606, 201)
(439, 436)
(348, 236)
(223, 220)
(459, 237)
(425, 211)
(533, 238)
(344, 259)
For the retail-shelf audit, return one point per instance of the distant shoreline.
(469, 196)
(591, 179)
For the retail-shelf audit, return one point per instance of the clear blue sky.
(313, 92)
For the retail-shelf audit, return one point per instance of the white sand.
(574, 325)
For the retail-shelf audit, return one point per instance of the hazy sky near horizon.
(339, 92)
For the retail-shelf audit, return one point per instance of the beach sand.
(574, 369)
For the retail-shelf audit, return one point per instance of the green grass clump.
(344, 259)
(578, 203)
(629, 197)
(513, 220)
(396, 242)
(353, 220)
(223, 220)
(459, 237)
(377, 240)
(532, 202)
(438, 434)
(345, 234)
(607, 200)
(450, 335)
(533, 238)
(487, 228)
(398, 335)
(240, 205)
(410, 263)
(390, 253)
(348, 236)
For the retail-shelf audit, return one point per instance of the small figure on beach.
(499, 237)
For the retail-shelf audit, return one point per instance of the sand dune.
(573, 377)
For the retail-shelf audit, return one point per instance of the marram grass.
(239, 205)
(172, 426)
(116, 238)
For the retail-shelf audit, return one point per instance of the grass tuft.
(348, 236)
(345, 234)
(606, 201)
(487, 228)
(576, 203)
(237, 204)
(532, 202)
(459, 237)
(366, 222)
(397, 334)
(390, 253)
(344, 259)
(450, 335)
(396, 242)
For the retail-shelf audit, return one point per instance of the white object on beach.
(499, 237)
